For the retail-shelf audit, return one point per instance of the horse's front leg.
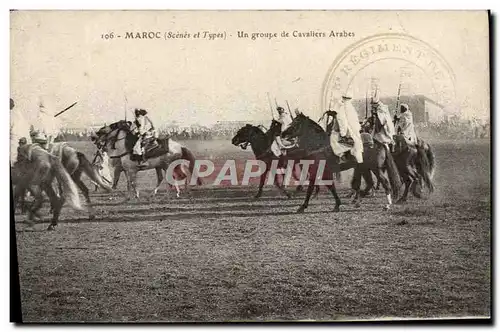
(116, 177)
(310, 188)
(261, 183)
(387, 187)
(356, 185)
(56, 204)
(159, 180)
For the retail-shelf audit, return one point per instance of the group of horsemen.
(347, 134)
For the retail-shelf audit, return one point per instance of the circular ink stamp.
(398, 65)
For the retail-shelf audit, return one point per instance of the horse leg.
(386, 185)
(367, 175)
(356, 185)
(133, 183)
(316, 191)
(312, 182)
(116, 176)
(333, 190)
(261, 183)
(159, 180)
(279, 184)
(56, 204)
(76, 176)
(410, 178)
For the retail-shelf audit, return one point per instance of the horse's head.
(101, 137)
(296, 128)
(245, 135)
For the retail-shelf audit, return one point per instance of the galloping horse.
(75, 164)
(316, 142)
(260, 143)
(118, 141)
(415, 164)
(36, 170)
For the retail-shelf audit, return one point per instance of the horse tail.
(425, 166)
(69, 190)
(91, 172)
(432, 160)
(392, 172)
(188, 155)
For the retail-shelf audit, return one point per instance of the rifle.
(397, 100)
(64, 110)
(270, 105)
(289, 110)
(366, 105)
(125, 110)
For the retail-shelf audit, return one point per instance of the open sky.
(59, 57)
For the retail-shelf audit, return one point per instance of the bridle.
(105, 138)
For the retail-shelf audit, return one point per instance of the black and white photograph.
(171, 166)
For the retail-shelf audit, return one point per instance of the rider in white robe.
(405, 126)
(348, 125)
(285, 120)
(142, 126)
(383, 130)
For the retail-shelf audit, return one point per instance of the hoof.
(387, 207)
(91, 217)
(357, 204)
(257, 196)
(401, 201)
(301, 209)
(336, 209)
(51, 228)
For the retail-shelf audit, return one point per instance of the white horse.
(117, 140)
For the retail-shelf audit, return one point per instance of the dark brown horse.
(415, 164)
(260, 143)
(316, 142)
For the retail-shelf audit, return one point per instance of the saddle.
(153, 148)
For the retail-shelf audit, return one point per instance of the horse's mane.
(256, 127)
(317, 128)
(120, 124)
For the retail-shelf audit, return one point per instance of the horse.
(75, 164)
(415, 164)
(36, 170)
(260, 143)
(118, 140)
(316, 142)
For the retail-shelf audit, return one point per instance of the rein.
(106, 139)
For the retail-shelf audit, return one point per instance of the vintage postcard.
(229, 166)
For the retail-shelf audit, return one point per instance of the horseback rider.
(383, 128)
(280, 144)
(142, 127)
(346, 135)
(404, 125)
